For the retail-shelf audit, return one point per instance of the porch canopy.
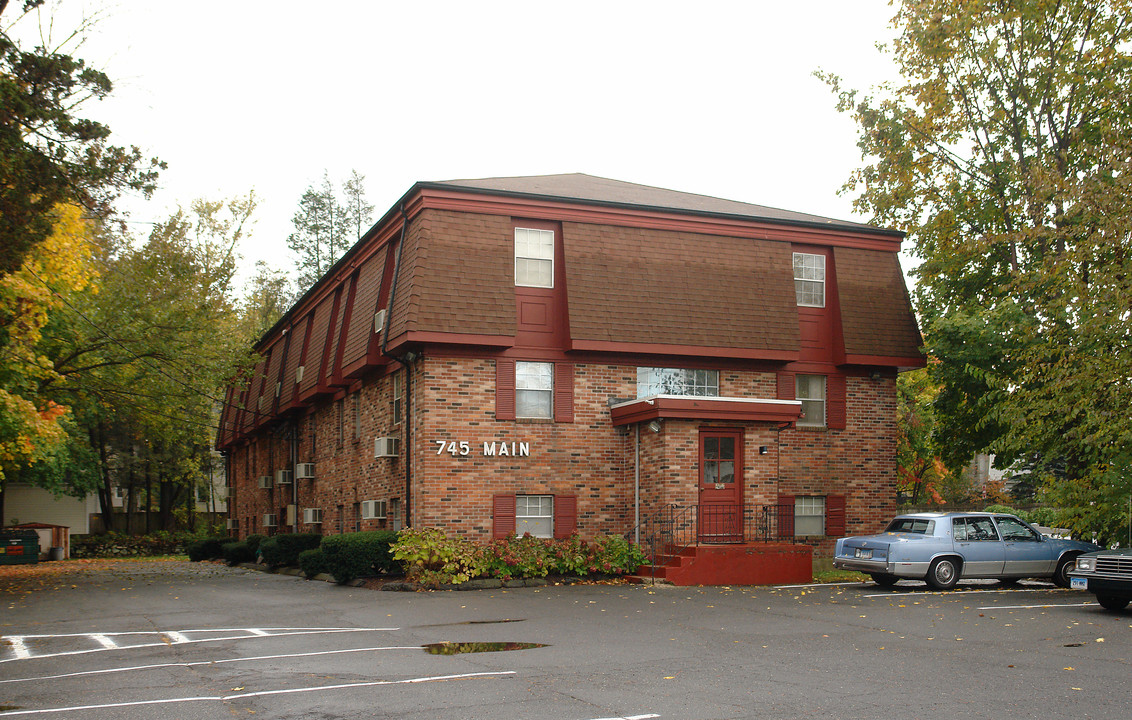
(684, 407)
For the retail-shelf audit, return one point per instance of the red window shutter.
(564, 392)
(785, 516)
(835, 515)
(565, 515)
(504, 389)
(502, 515)
(835, 411)
(786, 389)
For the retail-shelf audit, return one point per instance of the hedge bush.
(237, 552)
(254, 541)
(283, 550)
(313, 562)
(207, 549)
(355, 555)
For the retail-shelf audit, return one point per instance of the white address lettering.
(490, 448)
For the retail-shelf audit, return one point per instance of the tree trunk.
(106, 492)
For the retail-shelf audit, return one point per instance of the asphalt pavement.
(189, 640)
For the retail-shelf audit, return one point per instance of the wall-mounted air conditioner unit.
(265, 482)
(284, 477)
(269, 520)
(304, 471)
(312, 516)
(386, 446)
(374, 509)
(278, 388)
(378, 322)
(232, 524)
(299, 374)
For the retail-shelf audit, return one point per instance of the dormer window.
(534, 258)
(809, 279)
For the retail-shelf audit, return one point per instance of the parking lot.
(184, 640)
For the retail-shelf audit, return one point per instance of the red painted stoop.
(746, 564)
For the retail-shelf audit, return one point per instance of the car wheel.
(943, 574)
(1061, 574)
(884, 579)
(1111, 602)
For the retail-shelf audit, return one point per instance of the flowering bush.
(432, 558)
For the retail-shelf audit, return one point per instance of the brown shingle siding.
(876, 315)
(657, 287)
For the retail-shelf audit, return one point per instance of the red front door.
(721, 486)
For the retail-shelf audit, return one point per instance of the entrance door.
(721, 486)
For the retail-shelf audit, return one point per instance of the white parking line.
(175, 637)
(958, 592)
(1034, 607)
(265, 693)
(19, 642)
(630, 717)
(135, 668)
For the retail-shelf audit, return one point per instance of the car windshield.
(919, 526)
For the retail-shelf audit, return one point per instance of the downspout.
(406, 360)
(637, 486)
(293, 451)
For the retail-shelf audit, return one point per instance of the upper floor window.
(809, 279)
(534, 390)
(398, 395)
(677, 381)
(810, 389)
(534, 257)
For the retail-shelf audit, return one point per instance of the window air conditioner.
(232, 524)
(299, 374)
(374, 509)
(378, 322)
(269, 520)
(304, 471)
(386, 446)
(265, 482)
(312, 516)
(284, 477)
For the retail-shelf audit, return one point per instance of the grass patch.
(837, 576)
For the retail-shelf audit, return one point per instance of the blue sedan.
(941, 548)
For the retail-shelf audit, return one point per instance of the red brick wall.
(454, 401)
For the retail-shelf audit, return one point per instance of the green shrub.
(207, 549)
(313, 562)
(1046, 516)
(355, 555)
(238, 552)
(432, 558)
(283, 550)
(616, 555)
(254, 541)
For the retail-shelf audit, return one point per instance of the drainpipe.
(293, 451)
(407, 360)
(637, 486)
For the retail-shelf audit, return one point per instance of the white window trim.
(548, 391)
(520, 517)
(801, 502)
(803, 278)
(549, 259)
(824, 400)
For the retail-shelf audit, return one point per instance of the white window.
(398, 396)
(809, 279)
(534, 514)
(534, 258)
(810, 389)
(809, 516)
(534, 390)
(675, 381)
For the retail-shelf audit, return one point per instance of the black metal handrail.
(675, 527)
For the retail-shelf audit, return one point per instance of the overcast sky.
(715, 98)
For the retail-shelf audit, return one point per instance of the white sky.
(715, 98)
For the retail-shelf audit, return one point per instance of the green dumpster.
(18, 546)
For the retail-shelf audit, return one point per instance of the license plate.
(1079, 583)
(863, 554)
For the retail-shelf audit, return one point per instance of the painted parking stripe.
(1035, 607)
(630, 717)
(20, 640)
(104, 641)
(175, 637)
(158, 666)
(959, 592)
(265, 693)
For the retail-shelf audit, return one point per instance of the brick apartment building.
(567, 353)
